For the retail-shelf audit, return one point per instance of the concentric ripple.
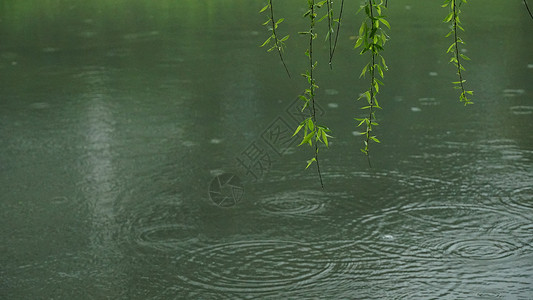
(446, 231)
(162, 224)
(296, 204)
(481, 248)
(521, 198)
(164, 236)
(253, 266)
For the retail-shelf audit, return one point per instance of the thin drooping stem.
(329, 33)
(529, 11)
(278, 46)
(336, 33)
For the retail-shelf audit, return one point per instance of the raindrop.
(388, 237)
(513, 92)
(50, 50)
(215, 141)
(415, 109)
(60, 200)
(522, 110)
(216, 172)
(433, 74)
(88, 34)
(428, 101)
(188, 144)
(331, 92)
(333, 105)
(39, 105)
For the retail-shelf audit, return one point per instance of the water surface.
(124, 123)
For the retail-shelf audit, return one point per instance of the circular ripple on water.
(400, 186)
(253, 266)
(489, 248)
(521, 198)
(162, 224)
(165, 236)
(440, 231)
(295, 204)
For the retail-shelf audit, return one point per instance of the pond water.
(144, 155)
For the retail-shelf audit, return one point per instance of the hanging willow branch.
(312, 131)
(277, 44)
(453, 17)
(372, 39)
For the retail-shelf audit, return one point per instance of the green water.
(124, 123)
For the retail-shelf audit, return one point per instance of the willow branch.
(276, 41)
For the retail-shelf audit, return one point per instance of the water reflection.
(97, 166)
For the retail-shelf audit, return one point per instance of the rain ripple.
(521, 198)
(295, 204)
(165, 226)
(164, 237)
(263, 266)
(451, 231)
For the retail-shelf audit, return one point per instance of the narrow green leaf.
(266, 42)
(362, 121)
(448, 17)
(380, 71)
(309, 162)
(325, 138)
(362, 30)
(264, 8)
(310, 124)
(450, 48)
(359, 42)
(298, 129)
(307, 138)
(375, 139)
(363, 72)
(385, 22)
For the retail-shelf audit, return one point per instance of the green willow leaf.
(264, 8)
